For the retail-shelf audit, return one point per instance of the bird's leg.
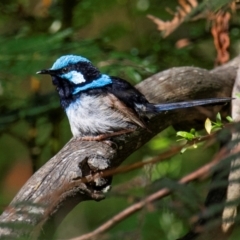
(104, 136)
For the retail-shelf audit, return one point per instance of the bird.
(99, 106)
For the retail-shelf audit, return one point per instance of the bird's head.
(73, 74)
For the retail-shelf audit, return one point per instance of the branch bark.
(54, 189)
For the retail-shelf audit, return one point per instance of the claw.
(102, 137)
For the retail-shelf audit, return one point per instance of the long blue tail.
(188, 104)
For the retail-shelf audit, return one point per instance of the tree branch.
(51, 193)
(201, 172)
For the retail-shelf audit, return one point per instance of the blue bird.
(99, 106)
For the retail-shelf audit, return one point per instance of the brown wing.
(126, 111)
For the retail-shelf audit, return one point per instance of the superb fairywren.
(99, 106)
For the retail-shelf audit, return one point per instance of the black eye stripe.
(89, 72)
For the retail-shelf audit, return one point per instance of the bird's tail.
(188, 104)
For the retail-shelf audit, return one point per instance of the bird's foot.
(104, 136)
(111, 143)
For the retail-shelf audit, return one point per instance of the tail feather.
(194, 103)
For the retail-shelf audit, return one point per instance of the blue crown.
(66, 60)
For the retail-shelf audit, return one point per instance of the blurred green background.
(118, 38)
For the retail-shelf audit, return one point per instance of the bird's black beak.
(47, 71)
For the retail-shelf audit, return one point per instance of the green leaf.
(185, 135)
(218, 118)
(193, 131)
(229, 119)
(183, 150)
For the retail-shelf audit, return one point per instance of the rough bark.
(57, 187)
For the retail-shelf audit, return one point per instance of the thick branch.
(52, 187)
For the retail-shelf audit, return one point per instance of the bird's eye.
(65, 70)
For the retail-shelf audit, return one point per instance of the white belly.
(91, 116)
